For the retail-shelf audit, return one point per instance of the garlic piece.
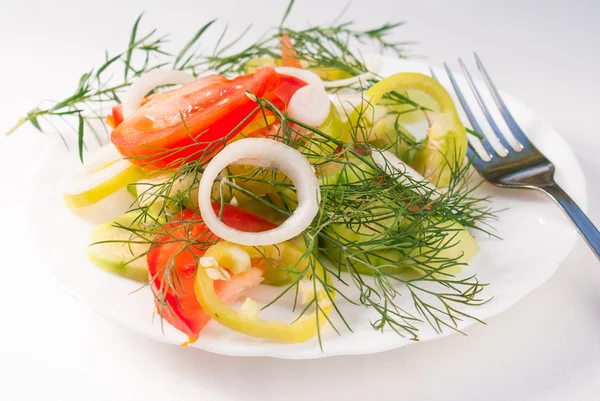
(208, 261)
(249, 309)
(218, 273)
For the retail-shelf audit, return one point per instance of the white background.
(545, 348)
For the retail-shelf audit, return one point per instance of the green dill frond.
(387, 236)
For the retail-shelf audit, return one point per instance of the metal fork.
(524, 168)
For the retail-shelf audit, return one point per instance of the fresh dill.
(384, 233)
(320, 47)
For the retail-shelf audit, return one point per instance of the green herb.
(389, 217)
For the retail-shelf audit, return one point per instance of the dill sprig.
(385, 232)
(394, 235)
(389, 218)
(99, 88)
(318, 47)
(83, 111)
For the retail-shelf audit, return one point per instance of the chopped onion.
(386, 159)
(288, 160)
(307, 76)
(358, 79)
(310, 104)
(151, 80)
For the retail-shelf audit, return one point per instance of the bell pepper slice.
(172, 265)
(300, 330)
(289, 57)
(446, 143)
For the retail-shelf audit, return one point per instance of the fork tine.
(475, 159)
(433, 75)
(484, 109)
(510, 121)
(474, 123)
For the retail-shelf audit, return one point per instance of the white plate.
(536, 238)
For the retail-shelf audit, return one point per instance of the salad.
(288, 163)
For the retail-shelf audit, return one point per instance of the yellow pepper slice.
(446, 143)
(300, 330)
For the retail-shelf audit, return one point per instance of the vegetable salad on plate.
(290, 163)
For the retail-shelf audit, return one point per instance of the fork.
(524, 168)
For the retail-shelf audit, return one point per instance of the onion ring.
(144, 84)
(289, 161)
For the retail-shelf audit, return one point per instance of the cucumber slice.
(457, 246)
(448, 254)
(120, 257)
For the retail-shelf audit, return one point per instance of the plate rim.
(367, 348)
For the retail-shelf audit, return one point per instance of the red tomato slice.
(212, 107)
(183, 310)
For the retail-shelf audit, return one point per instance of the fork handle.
(587, 229)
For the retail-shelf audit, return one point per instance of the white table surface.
(545, 348)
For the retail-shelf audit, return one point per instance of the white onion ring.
(144, 84)
(310, 104)
(358, 79)
(305, 75)
(288, 160)
(384, 159)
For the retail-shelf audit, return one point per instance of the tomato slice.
(174, 292)
(155, 136)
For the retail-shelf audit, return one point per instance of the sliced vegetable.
(195, 121)
(391, 164)
(310, 105)
(388, 133)
(116, 248)
(447, 245)
(115, 117)
(289, 57)
(104, 173)
(445, 146)
(150, 81)
(279, 266)
(450, 254)
(173, 262)
(445, 253)
(269, 153)
(409, 113)
(247, 321)
(305, 75)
